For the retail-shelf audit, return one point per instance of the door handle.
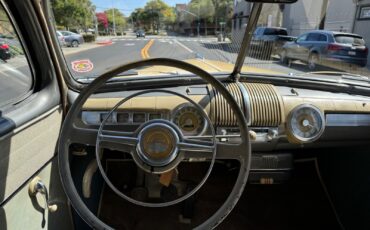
(37, 186)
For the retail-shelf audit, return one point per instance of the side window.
(323, 38)
(313, 37)
(302, 38)
(15, 75)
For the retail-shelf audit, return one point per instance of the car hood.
(210, 66)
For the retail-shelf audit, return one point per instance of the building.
(270, 16)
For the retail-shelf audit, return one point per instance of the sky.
(127, 6)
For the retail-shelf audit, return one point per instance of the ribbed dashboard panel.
(262, 101)
(221, 113)
(265, 105)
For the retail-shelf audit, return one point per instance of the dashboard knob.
(252, 135)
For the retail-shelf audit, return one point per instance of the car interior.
(189, 148)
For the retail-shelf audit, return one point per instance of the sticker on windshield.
(82, 66)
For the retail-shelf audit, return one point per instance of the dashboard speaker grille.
(221, 113)
(265, 105)
(262, 101)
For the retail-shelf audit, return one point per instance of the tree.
(154, 14)
(119, 19)
(169, 16)
(223, 12)
(73, 13)
(204, 9)
(102, 21)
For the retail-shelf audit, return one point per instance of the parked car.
(140, 33)
(72, 39)
(267, 41)
(4, 51)
(327, 48)
(61, 38)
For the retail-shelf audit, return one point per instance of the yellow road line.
(145, 49)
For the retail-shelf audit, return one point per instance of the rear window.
(349, 39)
(271, 31)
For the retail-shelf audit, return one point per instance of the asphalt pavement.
(127, 49)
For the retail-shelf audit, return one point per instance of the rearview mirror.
(273, 1)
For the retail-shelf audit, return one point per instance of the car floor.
(300, 203)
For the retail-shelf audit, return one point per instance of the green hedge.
(89, 37)
(14, 50)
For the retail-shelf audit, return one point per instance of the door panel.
(27, 150)
(29, 126)
(25, 210)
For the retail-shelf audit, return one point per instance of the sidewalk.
(83, 47)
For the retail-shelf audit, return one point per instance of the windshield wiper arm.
(248, 34)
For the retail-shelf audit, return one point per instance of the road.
(124, 50)
(15, 75)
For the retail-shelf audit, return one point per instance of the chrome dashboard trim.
(300, 139)
(247, 103)
(182, 106)
(347, 120)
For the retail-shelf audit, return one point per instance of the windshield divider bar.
(251, 26)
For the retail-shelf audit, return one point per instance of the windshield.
(350, 39)
(332, 36)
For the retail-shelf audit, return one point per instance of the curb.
(106, 42)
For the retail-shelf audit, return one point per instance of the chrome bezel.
(184, 106)
(157, 163)
(297, 138)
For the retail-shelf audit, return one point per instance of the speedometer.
(305, 124)
(189, 120)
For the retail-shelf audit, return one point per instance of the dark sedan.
(72, 39)
(140, 33)
(326, 48)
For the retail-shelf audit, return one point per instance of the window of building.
(15, 75)
(365, 13)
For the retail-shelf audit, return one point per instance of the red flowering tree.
(102, 20)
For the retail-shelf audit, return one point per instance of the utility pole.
(114, 21)
(194, 16)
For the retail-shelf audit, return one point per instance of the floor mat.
(298, 204)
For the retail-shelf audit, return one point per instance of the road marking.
(183, 46)
(129, 44)
(144, 50)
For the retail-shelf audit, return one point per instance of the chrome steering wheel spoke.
(122, 141)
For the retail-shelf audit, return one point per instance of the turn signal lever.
(37, 186)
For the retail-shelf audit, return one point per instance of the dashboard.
(279, 117)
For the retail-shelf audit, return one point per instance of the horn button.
(157, 144)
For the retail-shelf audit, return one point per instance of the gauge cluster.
(306, 123)
(189, 120)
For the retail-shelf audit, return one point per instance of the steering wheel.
(179, 147)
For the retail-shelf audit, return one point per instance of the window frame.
(303, 35)
(10, 103)
(362, 8)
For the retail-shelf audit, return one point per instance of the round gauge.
(305, 124)
(189, 120)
